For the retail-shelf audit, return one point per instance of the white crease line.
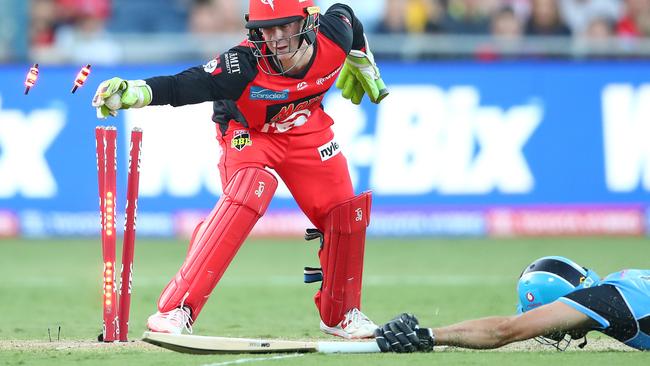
(288, 281)
(245, 360)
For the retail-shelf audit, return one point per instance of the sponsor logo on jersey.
(259, 93)
(302, 85)
(645, 278)
(287, 116)
(240, 139)
(322, 80)
(269, 3)
(232, 63)
(329, 150)
(289, 110)
(212, 67)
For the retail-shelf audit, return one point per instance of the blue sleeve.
(607, 306)
(588, 312)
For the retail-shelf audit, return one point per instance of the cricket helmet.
(549, 278)
(272, 13)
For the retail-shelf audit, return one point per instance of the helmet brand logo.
(269, 3)
(530, 297)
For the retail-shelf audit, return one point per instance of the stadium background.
(506, 117)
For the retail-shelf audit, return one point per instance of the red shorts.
(312, 165)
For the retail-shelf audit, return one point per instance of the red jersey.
(242, 92)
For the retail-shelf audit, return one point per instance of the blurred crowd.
(515, 18)
(65, 24)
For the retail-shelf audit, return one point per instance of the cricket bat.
(223, 345)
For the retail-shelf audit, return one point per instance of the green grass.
(51, 283)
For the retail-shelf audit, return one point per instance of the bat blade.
(224, 345)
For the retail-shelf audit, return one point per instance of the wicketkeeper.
(267, 94)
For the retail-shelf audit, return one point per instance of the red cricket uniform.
(277, 121)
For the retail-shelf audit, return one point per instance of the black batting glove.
(427, 339)
(403, 335)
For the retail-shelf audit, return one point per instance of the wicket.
(116, 313)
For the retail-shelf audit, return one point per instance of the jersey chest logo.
(259, 93)
(283, 117)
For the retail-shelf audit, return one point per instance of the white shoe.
(355, 325)
(173, 321)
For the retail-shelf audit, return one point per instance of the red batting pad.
(342, 258)
(244, 201)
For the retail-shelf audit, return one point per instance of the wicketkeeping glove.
(403, 334)
(115, 94)
(360, 75)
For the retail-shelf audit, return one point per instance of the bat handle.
(347, 347)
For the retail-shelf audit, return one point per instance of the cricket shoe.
(355, 325)
(173, 321)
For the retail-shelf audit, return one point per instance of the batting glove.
(404, 335)
(115, 94)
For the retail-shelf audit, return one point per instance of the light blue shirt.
(634, 287)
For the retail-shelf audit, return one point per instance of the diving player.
(558, 301)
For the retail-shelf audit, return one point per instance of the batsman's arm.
(402, 334)
(494, 332)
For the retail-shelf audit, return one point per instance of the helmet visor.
(560, 268)
(254, 24)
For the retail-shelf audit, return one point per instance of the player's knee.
(351, 215)
(252, 188)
